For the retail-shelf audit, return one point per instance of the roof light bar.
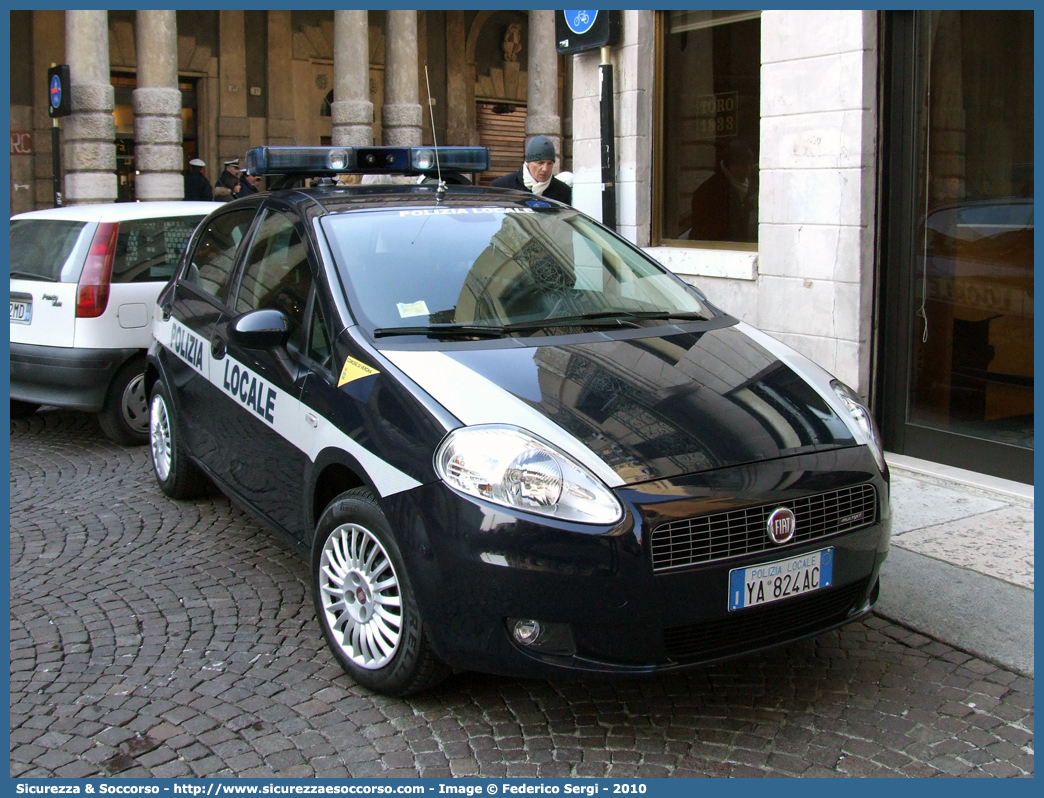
(364, 160)
(297, 160)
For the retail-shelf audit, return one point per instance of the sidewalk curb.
(982, 615)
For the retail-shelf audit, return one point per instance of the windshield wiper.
(605, 318)
(655, 315)
(586, 320)
(31, 276)
(444, 331)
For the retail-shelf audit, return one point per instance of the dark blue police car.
(510, 441)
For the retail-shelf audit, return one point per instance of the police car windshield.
(432, 268)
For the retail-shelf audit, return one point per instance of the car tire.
(125, 416)
(22, 409)
(178, 477)
(364, 600)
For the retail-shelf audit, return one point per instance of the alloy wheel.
(361, 598)
(159, 438)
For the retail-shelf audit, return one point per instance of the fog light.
(527, 632)
(547, 638)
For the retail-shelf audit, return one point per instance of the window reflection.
(711, 126)
(973, 345)
(493, 266)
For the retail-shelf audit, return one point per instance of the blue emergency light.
(315, 161)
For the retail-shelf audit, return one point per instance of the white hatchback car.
(84, 281)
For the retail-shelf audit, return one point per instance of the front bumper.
(64, 376)
(474, 565)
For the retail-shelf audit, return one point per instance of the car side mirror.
(266, 328)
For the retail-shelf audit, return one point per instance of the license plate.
(21, 311)
(773, 581)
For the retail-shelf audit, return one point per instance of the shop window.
(709, 131)
(973, 356)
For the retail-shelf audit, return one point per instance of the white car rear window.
(41, 247)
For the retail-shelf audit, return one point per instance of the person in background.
(725, 206)
(535, 174)
(197, 187)
(247, 184)
(228, 179)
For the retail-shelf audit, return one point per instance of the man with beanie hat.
(197, 187)
(535, 174)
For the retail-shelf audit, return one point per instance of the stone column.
(90, 130)
(233, 123)
(281, 124)
(456, 80)
(158, 155)
(352, 110)
(401, 117)
(542, 100)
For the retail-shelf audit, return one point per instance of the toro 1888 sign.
(717, 115)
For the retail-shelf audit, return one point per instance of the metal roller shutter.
(504, 134)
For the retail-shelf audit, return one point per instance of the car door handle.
(217, 348)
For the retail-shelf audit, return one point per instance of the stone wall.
(818, 182)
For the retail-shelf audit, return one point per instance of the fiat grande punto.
(506, 438)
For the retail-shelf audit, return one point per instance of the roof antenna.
(440, 192)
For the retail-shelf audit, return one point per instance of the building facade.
(155, 89)
(859, 184)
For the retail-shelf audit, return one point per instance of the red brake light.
(92, 292)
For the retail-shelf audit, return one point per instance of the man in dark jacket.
(247, 184)
(535, 174)
(724, 207)
(197, 187)
(229, 179)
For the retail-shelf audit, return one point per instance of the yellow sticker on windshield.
(354, 370)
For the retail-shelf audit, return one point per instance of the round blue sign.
(56, 91)
(580, 21)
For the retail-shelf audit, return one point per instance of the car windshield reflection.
(507, 268)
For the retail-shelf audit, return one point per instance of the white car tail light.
(92, 292)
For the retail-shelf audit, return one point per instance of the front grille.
(762, 625)
(738, 532)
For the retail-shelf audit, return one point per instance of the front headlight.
(860, 413)
(514, 468)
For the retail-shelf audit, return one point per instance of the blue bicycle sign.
(580, 22)
(56, 91)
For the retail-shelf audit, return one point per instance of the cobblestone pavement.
(153, 638)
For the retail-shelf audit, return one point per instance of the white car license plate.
(21, 311)
(763, 584)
